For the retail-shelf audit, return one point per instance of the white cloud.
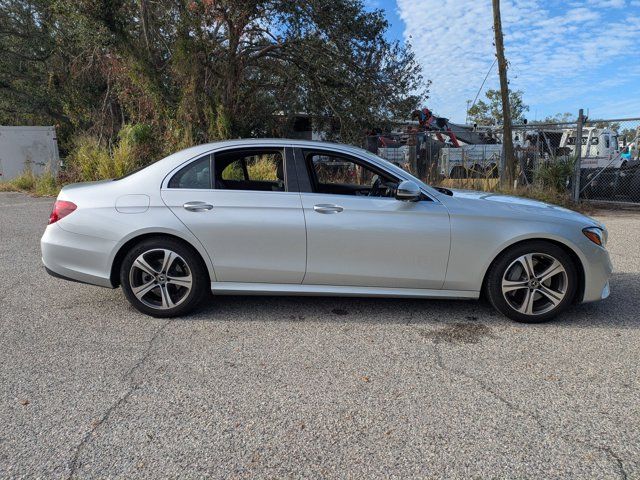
(574, 48)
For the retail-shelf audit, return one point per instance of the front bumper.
(81, 258)
(598, 269)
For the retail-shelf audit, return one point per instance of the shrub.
(91, 160)
(554, 175)
(88, 160)
(233, 172)
(46, 185)
(120, 162)
(25, 181)
(7, 187)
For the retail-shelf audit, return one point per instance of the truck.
(599, 147)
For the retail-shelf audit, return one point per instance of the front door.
(358, 234)
(238, 205)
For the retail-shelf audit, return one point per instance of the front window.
(337, 174)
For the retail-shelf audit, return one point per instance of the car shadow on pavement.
(619, 310)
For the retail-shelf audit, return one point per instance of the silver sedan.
(285, 217)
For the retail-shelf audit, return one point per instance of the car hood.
(492, 203)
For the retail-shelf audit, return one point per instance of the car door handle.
(327, 208)
(197, 206)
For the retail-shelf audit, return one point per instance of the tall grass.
(88, 160)
(92, 160)
(25, 181)
(45, 185)
(260, 168)
(263, 168)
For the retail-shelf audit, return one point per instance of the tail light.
(61, 209)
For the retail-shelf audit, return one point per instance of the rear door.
(358, 234)
(242, 205)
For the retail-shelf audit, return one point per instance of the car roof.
(161, 168)
(178, 158)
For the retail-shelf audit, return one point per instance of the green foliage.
(490, 112)
(88, 160)
(91, 159)
(554, 175)
(46, 185)
(559, 118)
(259, 168)
(233, 172)
(189, 72)
(25, 181)
(263, 168)
(137, 134)
(122, 160)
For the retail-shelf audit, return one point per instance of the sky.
(564, 55)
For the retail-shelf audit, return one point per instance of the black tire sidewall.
(199, 288)
(497, 270)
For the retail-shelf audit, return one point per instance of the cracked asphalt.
(310, 387)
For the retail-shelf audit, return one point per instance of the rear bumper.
(81, 258)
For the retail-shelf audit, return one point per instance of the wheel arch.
(141, 236)
(564, 246)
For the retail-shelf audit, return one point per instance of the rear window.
(196, 175)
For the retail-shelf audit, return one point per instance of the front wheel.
(163, 278)
(532, 282)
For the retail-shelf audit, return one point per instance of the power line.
(483, 82)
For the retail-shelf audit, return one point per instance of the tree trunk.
(507, 140)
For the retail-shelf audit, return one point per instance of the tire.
(163, 291)
(532, 298)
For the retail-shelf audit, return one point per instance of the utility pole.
(578, 161)
(507, 138)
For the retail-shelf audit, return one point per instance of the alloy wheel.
(535, 283)
(160, 278)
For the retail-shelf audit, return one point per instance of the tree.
(490, 112)
(200, 70)
(559, 118)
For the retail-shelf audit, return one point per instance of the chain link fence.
(610, 161)
(438, 162)
(546, 155)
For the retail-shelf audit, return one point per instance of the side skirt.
(235, 288)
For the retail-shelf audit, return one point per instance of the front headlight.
(596, 235)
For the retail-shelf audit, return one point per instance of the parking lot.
(310, 387)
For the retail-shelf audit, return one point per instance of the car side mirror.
(408, 191)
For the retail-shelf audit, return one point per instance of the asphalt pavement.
(277, 387)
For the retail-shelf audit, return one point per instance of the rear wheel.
(163, 278)
(532, 282)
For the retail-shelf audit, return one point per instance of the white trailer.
(470, 160)
(27, 148)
